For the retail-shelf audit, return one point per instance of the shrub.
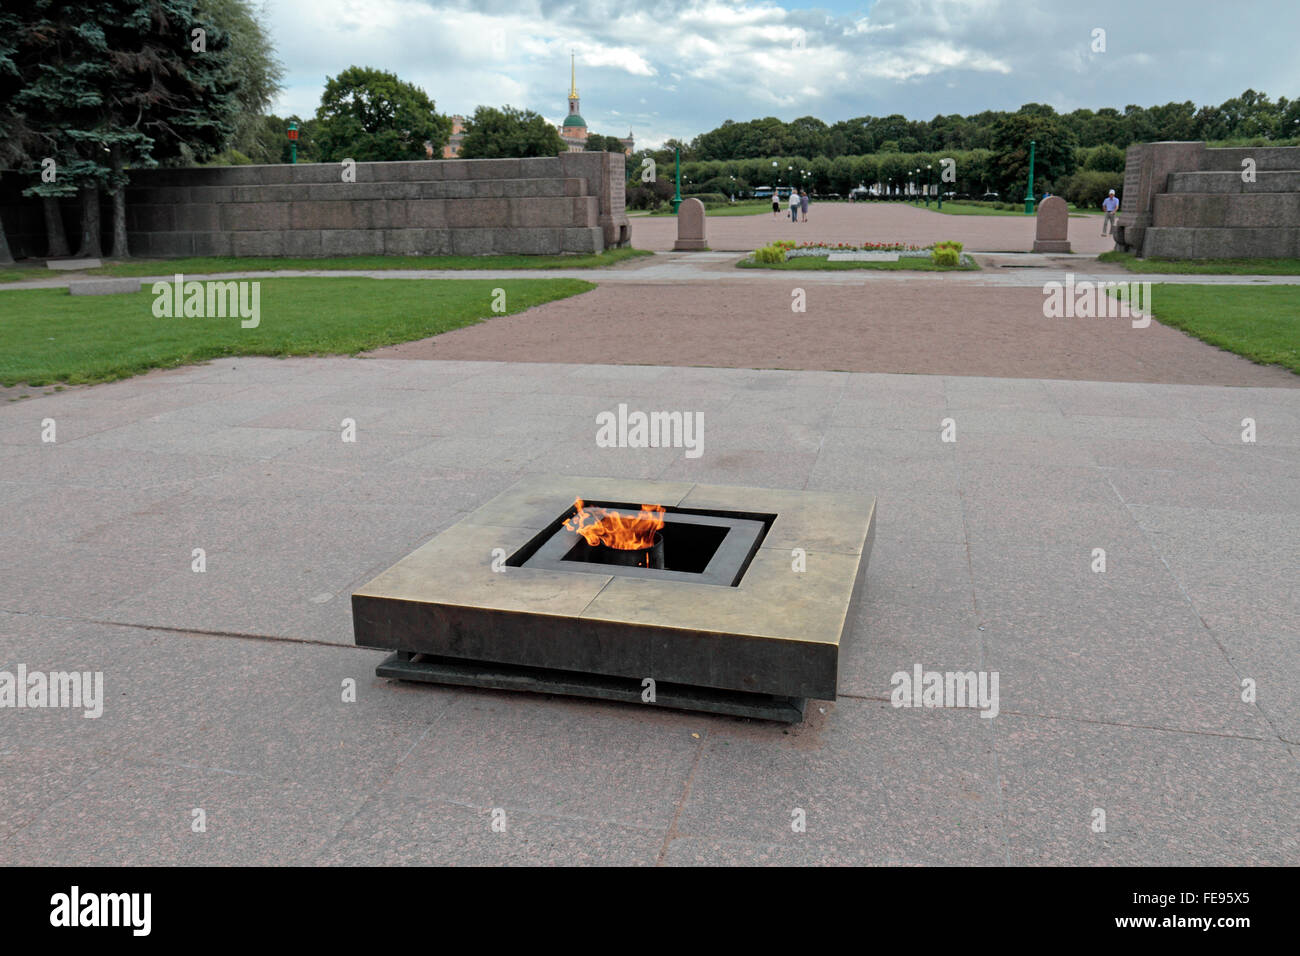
(709, 199)
(946, 253)
(1104, 158)
(1088, 187)
(770, 254)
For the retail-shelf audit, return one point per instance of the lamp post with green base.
(1029, 191)
(677, 197)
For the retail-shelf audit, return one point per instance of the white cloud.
(698, 62)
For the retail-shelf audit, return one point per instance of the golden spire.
(573, 78)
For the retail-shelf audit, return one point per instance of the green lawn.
(51, 336)
(211, 264)
(1235, 267)
(820, 263)
(18, 273)
(977, 208)
(1258, 323)
(745, 207)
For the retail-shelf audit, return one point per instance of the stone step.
(370, 192)
(311, 243)
(1266, 181)
(433, 170)
(1222, 243)
(1271, 158)
(354, 214)
(1226, 209)
(103, 286)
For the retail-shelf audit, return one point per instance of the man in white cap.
(1110, 205)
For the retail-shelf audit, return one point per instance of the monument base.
(690, 245)
(434, 670)
(1051, 245)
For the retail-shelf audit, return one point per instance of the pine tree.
(114, 84)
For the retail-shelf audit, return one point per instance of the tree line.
(1079, 155)
(1250, 115)
(91, 89)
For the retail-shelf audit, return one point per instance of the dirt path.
(871, 222)
(935, 328)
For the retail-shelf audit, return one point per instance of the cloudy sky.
(675, 68)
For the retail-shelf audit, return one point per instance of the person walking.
(1110, 206)
(776, 203)
(794, 205)
(803, 204)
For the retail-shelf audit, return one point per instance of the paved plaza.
(872, 222)
(1120, 690)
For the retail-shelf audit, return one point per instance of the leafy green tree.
(1053, 153)
(1104, 158)
(509, 133)
(603, 144)
(256, 71)
(370, 115)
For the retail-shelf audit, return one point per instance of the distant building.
(574, 128)
(573, 131)
(452, 149)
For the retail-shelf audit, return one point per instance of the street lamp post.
(927, 185)
(677, 197)
(1029, 190)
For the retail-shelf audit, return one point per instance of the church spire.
(573, 79)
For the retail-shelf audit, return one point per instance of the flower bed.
(826, 248)
(947, 254)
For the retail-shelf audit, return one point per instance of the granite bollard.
(104, 286)
(690, 227)
(1053, 226)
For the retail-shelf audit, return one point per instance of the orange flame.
(625, 532)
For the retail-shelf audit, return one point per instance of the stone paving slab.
(836, 222)
(1119, 690)
(1238, 797)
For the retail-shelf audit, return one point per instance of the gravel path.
(871, 222)
(937, 328)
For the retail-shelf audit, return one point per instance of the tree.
(13, 132)
(509, 133)
(256, 71)
(603, 144)
(370, 115)
(1053, 153)
(118, 83)
(1104, 158)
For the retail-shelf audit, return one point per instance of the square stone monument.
(1053, 226)
(690, 227)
